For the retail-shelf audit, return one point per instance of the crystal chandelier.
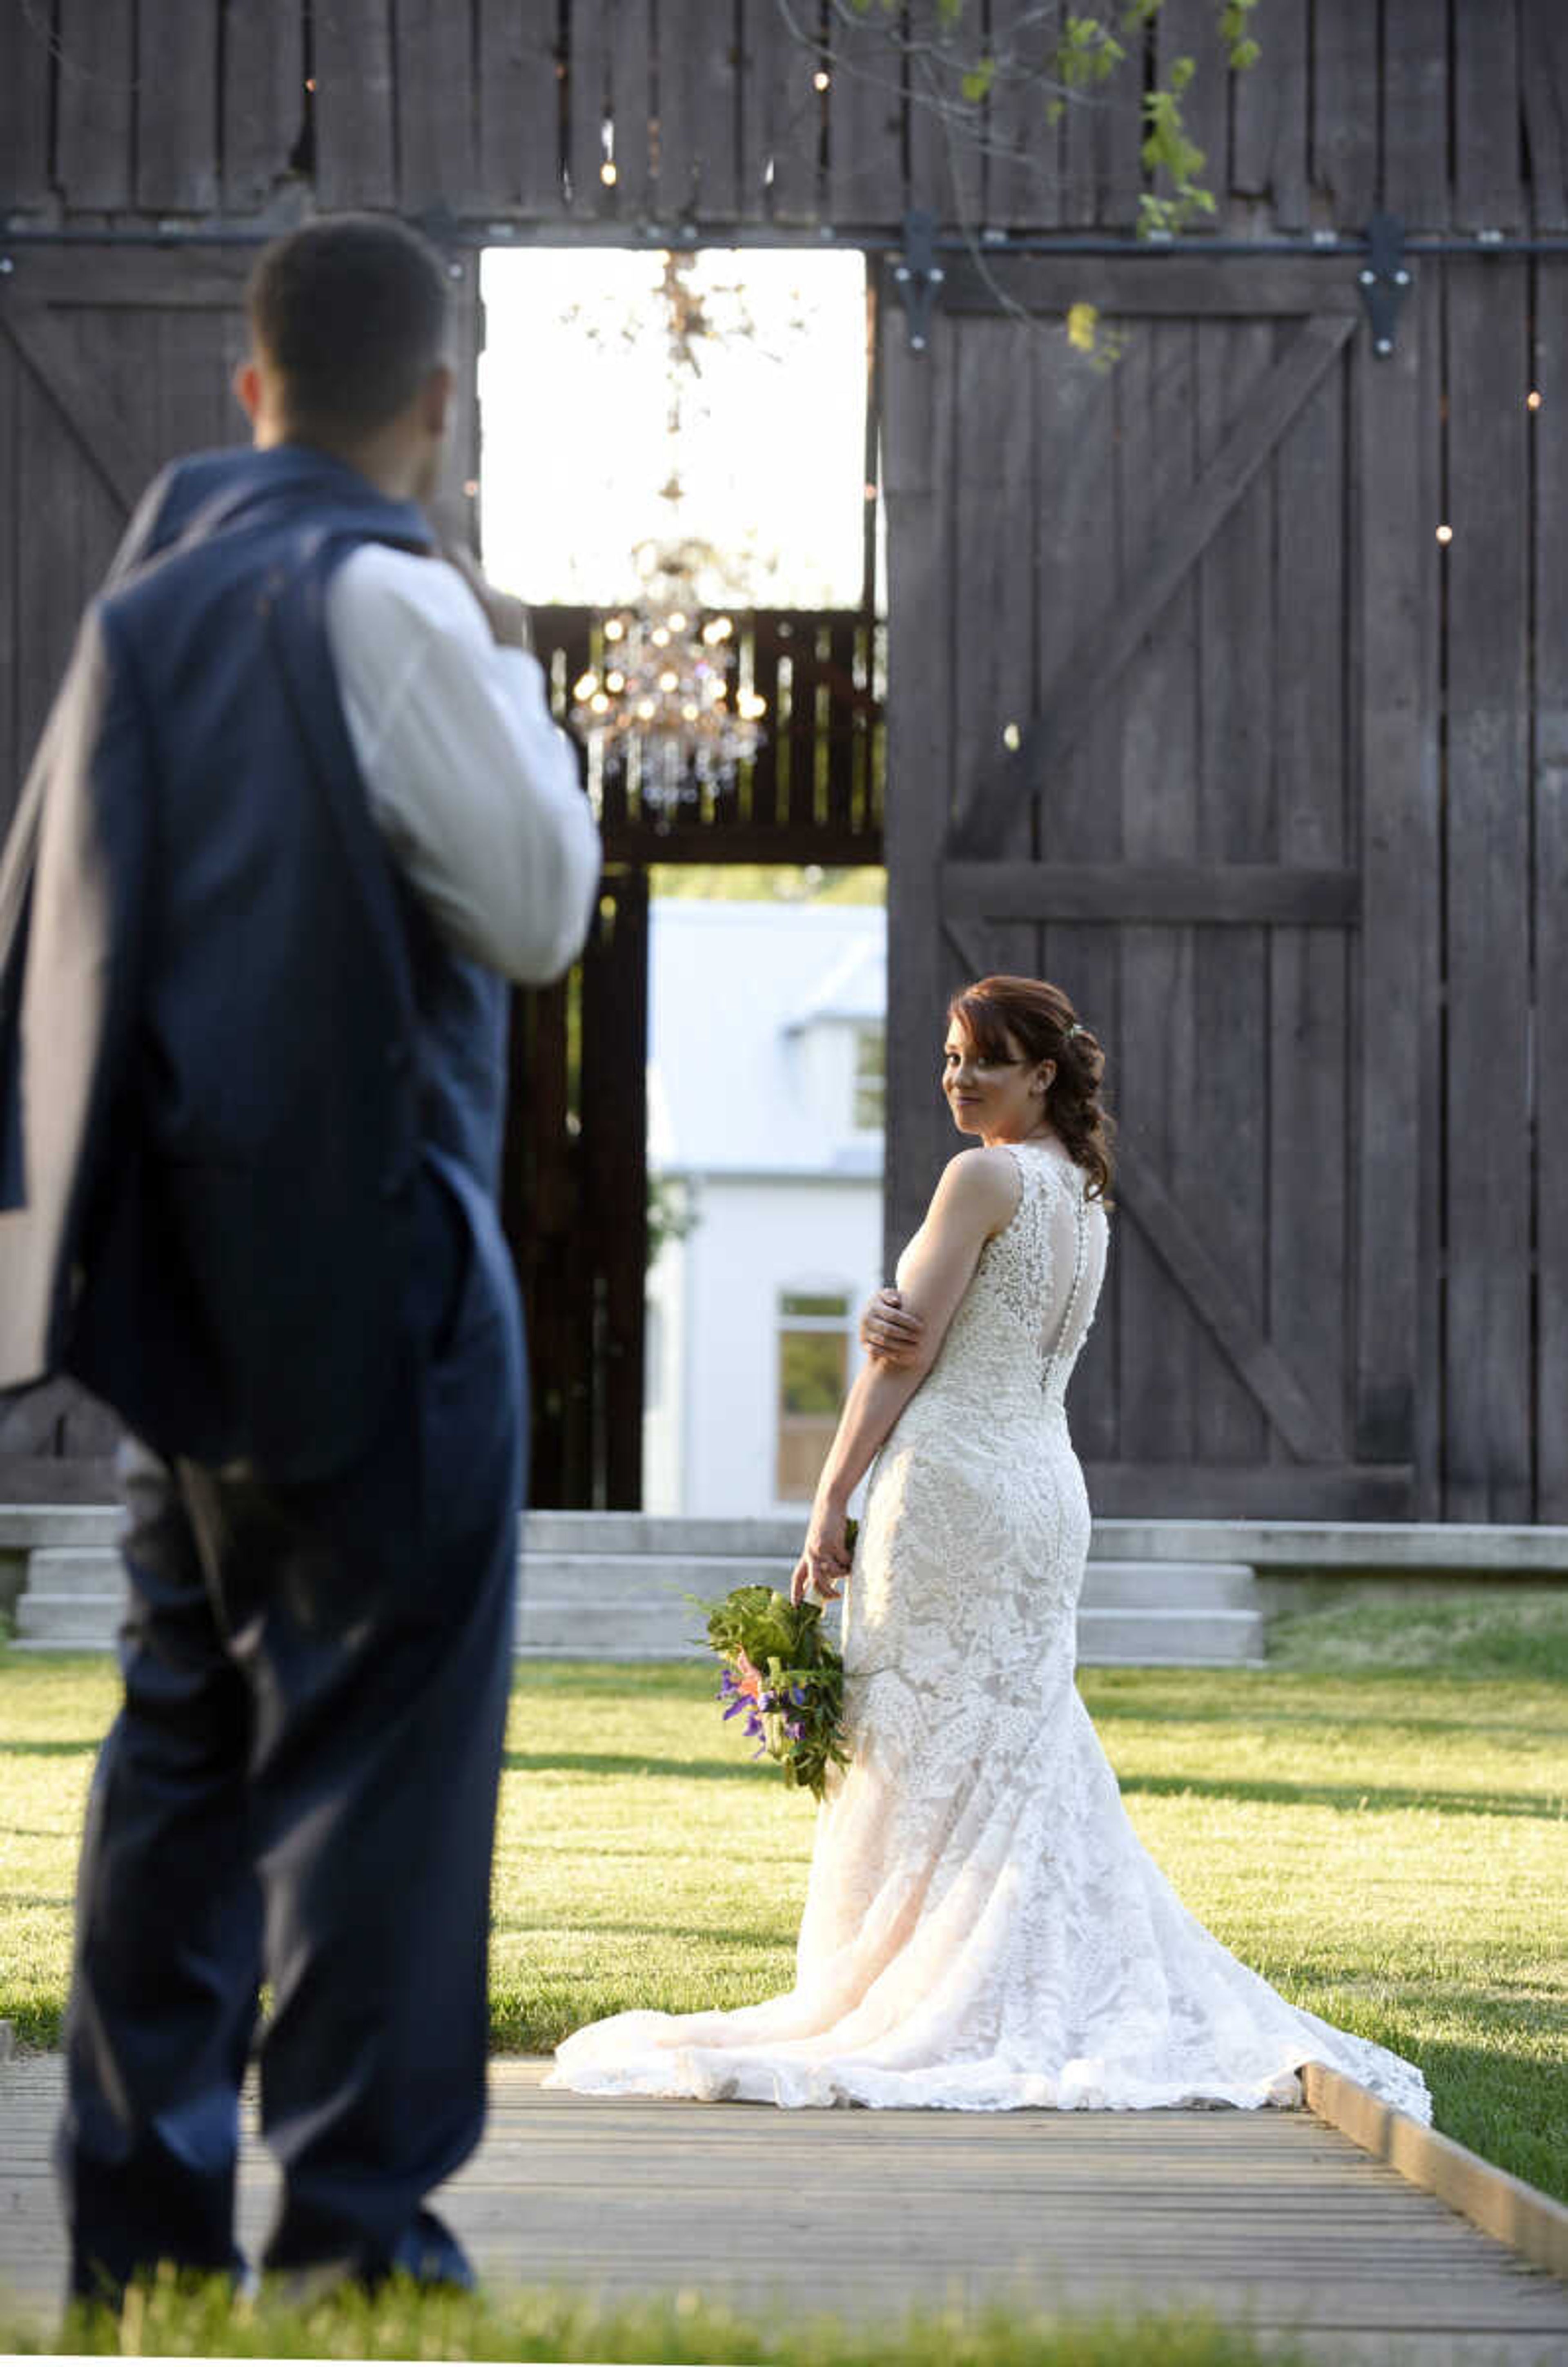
(658, 706)
(657, 710)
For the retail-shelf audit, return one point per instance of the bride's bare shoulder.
(980, 1185)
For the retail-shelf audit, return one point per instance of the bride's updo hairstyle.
(1043, 1026)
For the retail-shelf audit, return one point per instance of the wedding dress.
(982, 1929)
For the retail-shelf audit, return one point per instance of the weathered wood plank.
(614, 1115)
(1416, 113)
(946, 132)
(355, 113)
(1077, 561)
(176, 108)
(1217, 892)
(1313, 1055)
(1109, 642)
(264, 102)
(520, 110)
(1173, 285)
(699, 163)
(1270, 2219)
(1023, 170)
(588, 85)
(1186, 28)
(104, 437)
(1394, 1013)
(1236, 819)
(1345, 131)
(865, 126)
(434, 75)
(1543, 89)
(1549, 431)
(94, 102)
(1487, 1446)
(1156, 453)
(781, 121)
(1210, 1291)
(1268, 148)
(1488, 185)
(26, 77)
(120, 278)
(918, 463)
(996, 527)
(1176, 1490)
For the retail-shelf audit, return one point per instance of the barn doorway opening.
(694, 1166)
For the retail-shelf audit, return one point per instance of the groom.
(299, 808)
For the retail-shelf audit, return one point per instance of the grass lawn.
(1375, 1822)
(195, 2321)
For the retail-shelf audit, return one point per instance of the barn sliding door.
(1156, 635)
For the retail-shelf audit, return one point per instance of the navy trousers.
(300, 1789)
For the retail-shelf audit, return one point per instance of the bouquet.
(782, 1675)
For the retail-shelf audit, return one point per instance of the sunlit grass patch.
(175, 2318)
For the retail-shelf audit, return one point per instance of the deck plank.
(1269, 2216)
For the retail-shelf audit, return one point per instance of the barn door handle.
(917, 275)
(1384, 280)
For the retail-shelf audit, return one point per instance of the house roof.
(735, 989)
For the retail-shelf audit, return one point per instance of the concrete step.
(1170, 1638)
(605, 1603)
(75, 1623)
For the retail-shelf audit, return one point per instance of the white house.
(765, 1120)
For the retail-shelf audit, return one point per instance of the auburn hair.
(1004, 1016)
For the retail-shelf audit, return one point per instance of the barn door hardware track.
(917, 275)
(1384, 280)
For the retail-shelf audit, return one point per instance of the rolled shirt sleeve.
(473, 785)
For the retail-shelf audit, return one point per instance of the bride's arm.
(975, 1197)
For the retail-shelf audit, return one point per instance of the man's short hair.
(352, 313)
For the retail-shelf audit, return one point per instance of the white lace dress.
(982, 1928)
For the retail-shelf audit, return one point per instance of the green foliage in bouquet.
(784, 1677)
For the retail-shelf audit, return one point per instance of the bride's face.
(1001, 1100)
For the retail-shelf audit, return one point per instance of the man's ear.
(247, 385)
(435, 399)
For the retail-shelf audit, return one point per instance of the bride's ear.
(1046, 1075)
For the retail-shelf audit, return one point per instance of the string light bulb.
(1532, 399)
(1445, 534)
(822, 78)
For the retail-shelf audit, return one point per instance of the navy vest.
(303, 1051)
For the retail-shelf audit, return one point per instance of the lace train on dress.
(982, 1929)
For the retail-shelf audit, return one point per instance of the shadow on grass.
(51, 1750)
(623, 1763)
(1355, 1798)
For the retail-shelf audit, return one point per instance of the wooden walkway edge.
(1273, 2220)
(1528, 2222)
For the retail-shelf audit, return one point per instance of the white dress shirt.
(472, 783)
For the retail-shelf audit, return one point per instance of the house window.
(869, 1080)
(814, 1359)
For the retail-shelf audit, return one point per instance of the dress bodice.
(1019, 1327)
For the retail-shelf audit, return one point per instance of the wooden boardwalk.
(1267, 2216)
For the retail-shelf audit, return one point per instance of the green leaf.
(977, 83)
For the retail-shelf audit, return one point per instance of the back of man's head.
(350, 314)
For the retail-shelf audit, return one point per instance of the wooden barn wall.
(1450, 113)
(1441, 675)
(1343, 1253)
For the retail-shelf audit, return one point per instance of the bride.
(982, 1929)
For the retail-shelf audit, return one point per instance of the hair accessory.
(1071, 1030)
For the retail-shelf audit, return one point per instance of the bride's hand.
(825, 1559)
